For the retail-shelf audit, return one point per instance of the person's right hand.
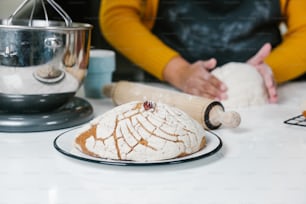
(195, 78)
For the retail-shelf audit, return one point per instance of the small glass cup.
(101, 66)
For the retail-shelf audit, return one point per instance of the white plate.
(64, 144)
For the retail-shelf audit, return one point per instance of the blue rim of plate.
(82, 157)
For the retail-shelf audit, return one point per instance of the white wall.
(7, 7)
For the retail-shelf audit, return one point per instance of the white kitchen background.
(7, 7)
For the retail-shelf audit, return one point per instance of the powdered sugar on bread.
(141, 131)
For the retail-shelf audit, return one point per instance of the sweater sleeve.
(123, 27)
(288, 60)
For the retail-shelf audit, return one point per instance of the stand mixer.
(43, 64)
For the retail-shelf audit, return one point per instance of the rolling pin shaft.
(208, 112)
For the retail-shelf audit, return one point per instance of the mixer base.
(76, 112)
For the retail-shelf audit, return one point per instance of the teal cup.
(101, 66)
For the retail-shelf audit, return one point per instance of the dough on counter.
(245, 85)
(141, 131)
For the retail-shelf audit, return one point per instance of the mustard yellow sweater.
(127, 25)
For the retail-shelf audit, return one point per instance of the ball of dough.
(245, 85)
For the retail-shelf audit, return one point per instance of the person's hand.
(195, 78)
(258, 62)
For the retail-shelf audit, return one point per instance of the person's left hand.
(258, 62)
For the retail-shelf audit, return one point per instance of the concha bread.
(141, 131)
(304, 109)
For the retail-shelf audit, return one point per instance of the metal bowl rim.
(54, 25)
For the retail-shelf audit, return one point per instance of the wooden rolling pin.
(208, 112)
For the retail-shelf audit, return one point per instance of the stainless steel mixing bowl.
(41, 67)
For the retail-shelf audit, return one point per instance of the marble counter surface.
(263, 161)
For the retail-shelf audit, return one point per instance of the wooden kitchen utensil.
(208, 112)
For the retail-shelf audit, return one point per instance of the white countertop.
(263, 161)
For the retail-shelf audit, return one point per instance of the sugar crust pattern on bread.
(141, 131)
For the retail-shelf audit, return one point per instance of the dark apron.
(226, 30)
